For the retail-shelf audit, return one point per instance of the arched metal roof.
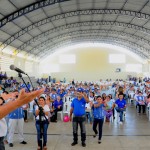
(39, 27)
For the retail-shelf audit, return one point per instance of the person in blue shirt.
(61, 93)
(28, 85)
(98, 117)
(53, 94)
(120, 106)
(79, 116)
(140, 99)
(16, 120)
(58, 106)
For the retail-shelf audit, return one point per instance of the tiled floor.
(134, 134)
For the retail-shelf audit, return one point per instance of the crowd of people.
(95, 102)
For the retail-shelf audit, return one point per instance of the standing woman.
(98, 117)
(44, 121)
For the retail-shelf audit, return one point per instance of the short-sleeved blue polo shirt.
(121, 104)
(79, 106)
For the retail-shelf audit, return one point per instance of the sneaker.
(23, 142)
(83, 144)
(11, 145)
(99, 141)
(74, 143)
(120, 122)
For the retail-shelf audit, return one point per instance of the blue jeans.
(120, 110)
(44, 128)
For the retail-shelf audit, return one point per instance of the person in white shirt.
(43, 110)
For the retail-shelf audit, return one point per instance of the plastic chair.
(61, 114)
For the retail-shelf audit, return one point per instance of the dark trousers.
(2, 147)
(143, 108)
(55, 112)
(25, 114)
(98, 122)
(81, 122)
(113, 113)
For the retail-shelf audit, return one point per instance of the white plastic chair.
(61, 114)
(118, 116)
(111, 119)
(66, 107)
(131, 98)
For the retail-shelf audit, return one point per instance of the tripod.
(41, 113)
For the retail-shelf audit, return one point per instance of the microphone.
(12, 67)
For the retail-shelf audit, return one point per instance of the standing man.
(16, 119)
(79, 116)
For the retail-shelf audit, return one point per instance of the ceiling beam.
(77, 13)
(27, 9)
(81, 24)
(94, 39)
(89, 34)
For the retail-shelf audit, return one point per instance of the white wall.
(91, 64)
(20, 63)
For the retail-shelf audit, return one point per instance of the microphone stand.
(40, 113)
